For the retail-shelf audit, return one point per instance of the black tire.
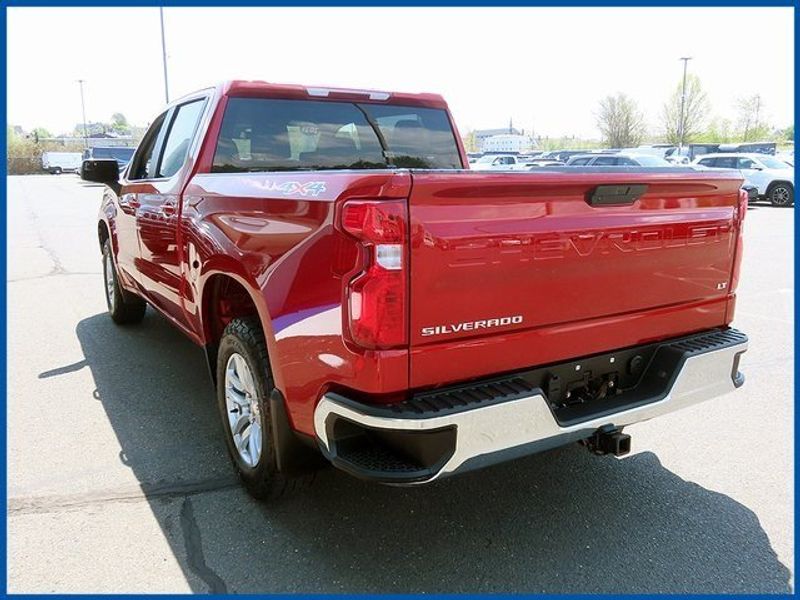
(263, 480)
(125, 308)
(781, 194)
(55, 171)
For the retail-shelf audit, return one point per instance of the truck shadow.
(563, 521)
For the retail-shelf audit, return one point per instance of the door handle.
(168, 208)
(616, 194)
(129, 201)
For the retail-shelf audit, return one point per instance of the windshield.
(261, 134)
(773, 163)
(651, 161)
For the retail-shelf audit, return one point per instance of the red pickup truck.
(363, 297)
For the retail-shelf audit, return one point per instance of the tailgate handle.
(604, 195)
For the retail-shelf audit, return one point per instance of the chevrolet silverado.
(363, 298)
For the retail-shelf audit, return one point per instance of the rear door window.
(261, 134)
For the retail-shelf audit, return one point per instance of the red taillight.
(376, 297)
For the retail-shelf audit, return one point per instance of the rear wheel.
(244, 384)
(781, 194)
(123, 306)
(55, 171)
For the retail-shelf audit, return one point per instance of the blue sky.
(546, 68)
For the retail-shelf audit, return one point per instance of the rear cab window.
(267, 134)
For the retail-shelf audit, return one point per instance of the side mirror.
(757, 168)
(101, 171)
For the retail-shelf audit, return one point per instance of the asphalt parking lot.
(118, 479)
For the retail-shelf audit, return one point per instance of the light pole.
(682, 124)
(164, 53)
(758, 109)
(83, 112)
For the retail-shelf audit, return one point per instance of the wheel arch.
(103, 233)
(294, 454)
(772, 184)
(226, 293)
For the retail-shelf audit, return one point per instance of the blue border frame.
(366, 3)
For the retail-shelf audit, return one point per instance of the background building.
(508, 143)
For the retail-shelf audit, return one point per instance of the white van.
(61, 162)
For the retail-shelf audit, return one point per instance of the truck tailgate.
(510, 270)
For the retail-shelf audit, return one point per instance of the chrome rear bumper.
(477, 436)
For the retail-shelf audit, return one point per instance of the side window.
(143, 167)
(707, 162)
(726, 162)
(581, 161)
(625, 161)
(747, 163)
(179, 137)
(604, 161)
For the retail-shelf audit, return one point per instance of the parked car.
(498, 162)
(562, 155)
(773, 178)
(701, 149)
(616, 160)
(362, 296)
(752, 191)
(56, 163)
(543, 162)
(121, 154)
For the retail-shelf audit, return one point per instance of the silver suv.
(773, 178)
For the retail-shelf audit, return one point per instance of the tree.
(620, 121)
(752, 125)
(718, 130)
(695, 110)
(470, 142)
(119, 123)
(40, 133)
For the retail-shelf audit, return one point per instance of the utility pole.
(164, 53)
(83, 111)
(682, 124)
(758, 108)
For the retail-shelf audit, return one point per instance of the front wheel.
(244, 384)
(123, 306)
(781, 194)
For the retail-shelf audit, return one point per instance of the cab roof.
(263, 89)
